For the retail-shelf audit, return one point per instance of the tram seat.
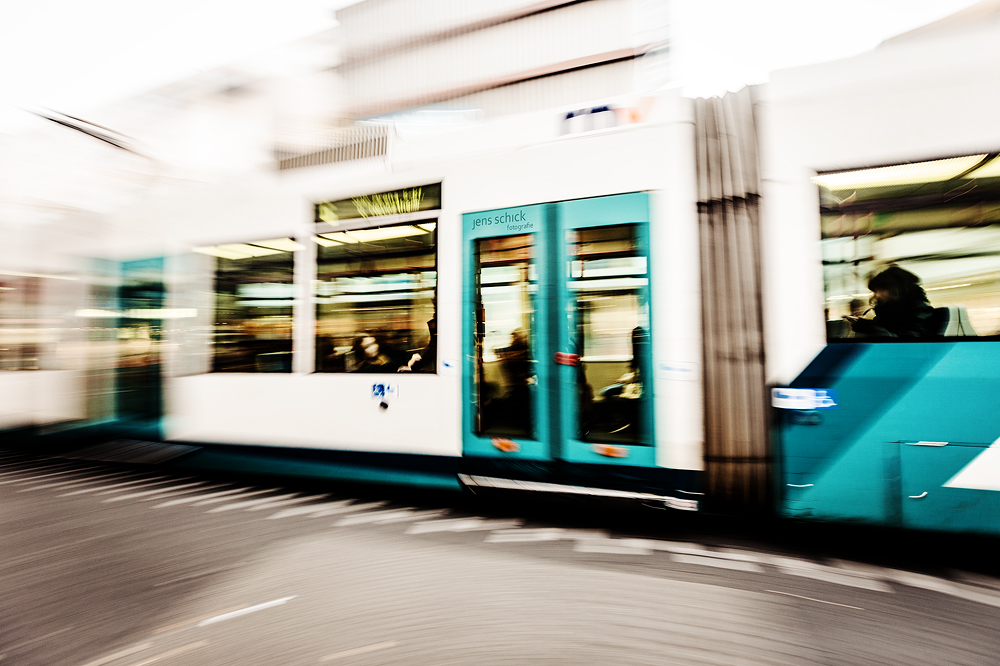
(953, 322)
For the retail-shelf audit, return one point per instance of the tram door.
(139, 391)
(557, 332)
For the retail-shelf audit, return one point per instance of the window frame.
(902, 200)
(363, 224)
(295, 260)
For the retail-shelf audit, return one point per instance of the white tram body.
(510, 162)
(738, 277)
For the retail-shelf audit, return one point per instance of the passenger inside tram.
(859, 308)
(613, 413)
(506, 401)
(889, 225)
(901, 307)
(368, 355)
(515, 364)
(424, 359)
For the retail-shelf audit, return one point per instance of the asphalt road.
(115, 566)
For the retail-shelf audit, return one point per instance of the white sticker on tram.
(982, 473)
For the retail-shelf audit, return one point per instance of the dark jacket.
(899, 319)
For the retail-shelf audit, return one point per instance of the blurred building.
(498, 57)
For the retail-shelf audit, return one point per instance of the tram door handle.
(562, 358)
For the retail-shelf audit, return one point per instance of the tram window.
(375, 299)
(505, 378)
(608, 279)
(20, 333)
(35, 333)
(945, 232)
(254, 296)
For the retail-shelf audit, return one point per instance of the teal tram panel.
(908, 442)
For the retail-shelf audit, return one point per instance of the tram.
(653, 303)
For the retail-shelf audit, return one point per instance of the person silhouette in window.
(900, 305)
(368, 355)
(424, 360)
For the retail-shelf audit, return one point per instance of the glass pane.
(254, 295)
(20, 329)
(138, 389)
(375, 300)
(505, 376)
(906, 259)
(607, 281)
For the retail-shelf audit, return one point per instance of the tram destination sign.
(394, 202)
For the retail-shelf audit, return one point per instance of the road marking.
(170, 492)
(32, 641)
(15, 467)
(978, 579)
(148, 484)
(216, 500)
(699, 552)
(819, 601)
(42, 476)
(118, 655)
(22, 468)
(683, 548)
(360, 650)
(351, 508)
(172, 653)
(26, 467)
(518, 536)
(295, 500)
(301, 510)
(388, 516)
(195, 498)
(198, 574)
(185, 623)
(77, 482)
(35, 555)
(249, 503)
(245, 611)
(340, 507)
(120, 485)
(372, 517)
(158, 491)
(934, 584)
(462, 525)
(718, 563)
(611, 547)
(544, 534)
(835, 575)
(32, 479)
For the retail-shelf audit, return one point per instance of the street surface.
(105, 565)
